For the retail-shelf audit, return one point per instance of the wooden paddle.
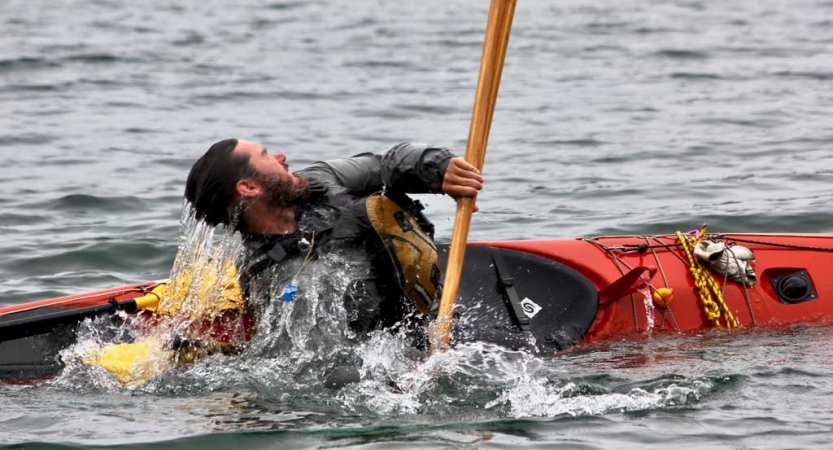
(498, 27)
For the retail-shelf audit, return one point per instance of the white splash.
(650, 309)
(537, 397)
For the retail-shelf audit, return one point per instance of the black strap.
(515, 308)
(414, 208)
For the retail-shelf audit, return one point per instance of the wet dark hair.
(212, 184)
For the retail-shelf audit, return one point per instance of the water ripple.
(84, 203)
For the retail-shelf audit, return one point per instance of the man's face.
(262, 161)
(279, 187)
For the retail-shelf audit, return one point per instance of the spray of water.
(647, 300)
(200, 294)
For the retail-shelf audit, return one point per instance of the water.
(628, 117)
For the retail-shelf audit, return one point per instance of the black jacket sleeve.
(409, 167)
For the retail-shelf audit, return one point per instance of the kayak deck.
(777, 258)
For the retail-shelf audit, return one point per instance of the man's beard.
(282, 192)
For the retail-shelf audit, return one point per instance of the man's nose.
(280, 158)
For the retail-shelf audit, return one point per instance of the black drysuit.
(335, 222)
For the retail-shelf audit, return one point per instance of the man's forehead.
(249, 148)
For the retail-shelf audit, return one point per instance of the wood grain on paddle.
(498, 27)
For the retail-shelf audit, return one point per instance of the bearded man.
(347, 210)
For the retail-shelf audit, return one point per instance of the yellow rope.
(716, 310)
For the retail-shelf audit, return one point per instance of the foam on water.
(539, 397)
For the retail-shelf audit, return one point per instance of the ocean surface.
(638, 116)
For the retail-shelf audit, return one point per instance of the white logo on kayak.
(530, 308)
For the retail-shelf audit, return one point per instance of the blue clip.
(289, 292)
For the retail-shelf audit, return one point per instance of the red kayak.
(542, 295)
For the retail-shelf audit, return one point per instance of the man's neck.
(261, 219)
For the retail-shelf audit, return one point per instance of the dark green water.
(629, 117)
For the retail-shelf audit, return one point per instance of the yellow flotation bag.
(210, 293)
(133, 363)
(193, 295)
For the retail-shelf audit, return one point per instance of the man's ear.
(248, 187)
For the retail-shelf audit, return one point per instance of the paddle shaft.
(45, 320)
(498, 27)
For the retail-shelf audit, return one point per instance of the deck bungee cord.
(619, 263)
(710, 292)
